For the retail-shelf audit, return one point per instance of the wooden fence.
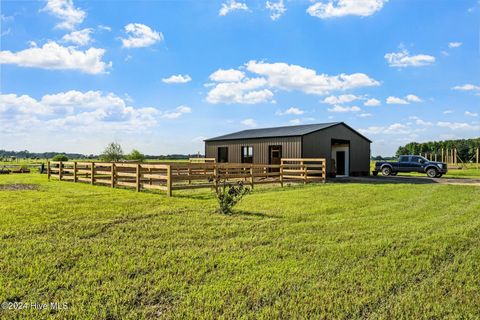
(177, 176)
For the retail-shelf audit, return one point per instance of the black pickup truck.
(411, 164)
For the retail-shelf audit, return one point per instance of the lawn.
(333, 251)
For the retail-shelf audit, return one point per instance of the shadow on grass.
(254, 214)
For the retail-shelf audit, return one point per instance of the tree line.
(466, 148)
(113, 152)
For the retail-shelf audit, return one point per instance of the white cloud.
(338, 108)
(73, 110)
(5, 32)
(80, 37)
(396, 128)
(471, 114)
(293, 77)
(230, 6)
(403, 59)
(467, 87)
(372, 103)
(290, 111)
(295, 122)
(140, 35)
(396, 100)
(372, 130)
(344, 98)
(339, 8)
(421, 122)
(5, 18)
(393, 129)
(66, 12)
(230, 75)
(105, 28)
(56, 57)
(179, 111)
(447, 111)
(406, 100)
(235, 87)
(249, 123)
(248, 91)
(458, 126)
(177, 79)
(277, 9)
(454, 44)
(413, 98)
(365, 115)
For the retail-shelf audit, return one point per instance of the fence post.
(92, 172)
(304, 166)
(478, 156)
(169, 180)
(215, 177)
(60, 170)
(49, 173)
(138, 178)
(112, 171)
(75, 171)
(251, 175)
(455, 156)
(324, 170)
(281, 173)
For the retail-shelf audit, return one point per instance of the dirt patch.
(18, 186)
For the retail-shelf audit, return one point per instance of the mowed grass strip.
(328, 251)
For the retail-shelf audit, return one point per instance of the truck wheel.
(386, 171)
(432, 172)
(439, 175)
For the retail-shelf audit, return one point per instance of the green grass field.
(333, 251)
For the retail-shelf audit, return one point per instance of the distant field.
(333, 251)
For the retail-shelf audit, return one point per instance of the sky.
(162, 76)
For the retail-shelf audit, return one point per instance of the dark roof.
(288, 131)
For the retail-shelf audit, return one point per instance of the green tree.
(113, 152)
(136, 155)
(60, 157)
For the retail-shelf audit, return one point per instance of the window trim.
(248, 156)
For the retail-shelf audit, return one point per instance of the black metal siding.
(318, 145)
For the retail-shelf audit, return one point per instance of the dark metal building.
(347, 151)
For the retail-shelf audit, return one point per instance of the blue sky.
(161, 76)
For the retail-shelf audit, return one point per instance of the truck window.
(403, 159)
(418, 159)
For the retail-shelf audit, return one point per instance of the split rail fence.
(178, 176)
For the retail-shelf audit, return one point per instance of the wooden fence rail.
(177, 176)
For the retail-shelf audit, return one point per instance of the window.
(247, 154)
(403, 159)
(222, 154)
(419, 159)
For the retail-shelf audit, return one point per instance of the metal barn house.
(347, 152)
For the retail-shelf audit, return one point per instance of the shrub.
(228, 195)
(60, 157)
(113, 152)
(136, 155)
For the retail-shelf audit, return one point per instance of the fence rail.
(177, 176)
